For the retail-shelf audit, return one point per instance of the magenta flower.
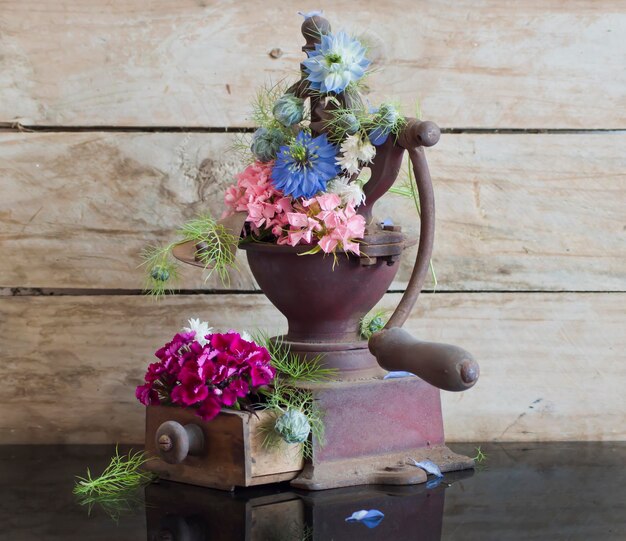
(223, 371)
(209, 409)
(147, 395)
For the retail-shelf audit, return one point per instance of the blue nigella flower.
(336, 62)
(305, 166)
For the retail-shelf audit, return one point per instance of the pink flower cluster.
(325, 219)
(255, 194)
(206, 377)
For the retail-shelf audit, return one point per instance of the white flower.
(245, 335)
(355, 150)
(351, 193)
(201, 328)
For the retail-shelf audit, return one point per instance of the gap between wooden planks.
(480, 63)
(514, 212)
(551, 364)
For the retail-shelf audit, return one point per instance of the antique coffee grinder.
(373, 426)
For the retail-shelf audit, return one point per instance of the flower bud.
(388, 115)
(376, 324)
(348, 123)
(160, 274)
(293, 426)
(266, 143)
(288, 110)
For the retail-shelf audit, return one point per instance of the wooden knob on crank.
(174, 442)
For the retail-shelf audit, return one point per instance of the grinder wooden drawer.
(230, 455)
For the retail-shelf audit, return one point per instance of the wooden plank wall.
(114, 128)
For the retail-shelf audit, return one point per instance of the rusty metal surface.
(323, 299)
(376, 416)
(393, 469)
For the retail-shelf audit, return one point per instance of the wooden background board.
(551, 364)
(530, 249)
(514, 212)
(471, 63)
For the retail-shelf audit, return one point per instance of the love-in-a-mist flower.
(337, 61)
(385, 119)
(288, 110)
(354, 151)
(266, 142)
(348, 123)
(293, 426)
(351, 193)
(201, 328)
(303, 168)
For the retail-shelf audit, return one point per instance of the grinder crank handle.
(447, 367)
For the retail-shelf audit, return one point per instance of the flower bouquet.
(201, 373)
(301, 208)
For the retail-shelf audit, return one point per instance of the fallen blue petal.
(309, 14)
(392, 375)
(434, 483)
(387, 221)
(371, 518)
(428, 466)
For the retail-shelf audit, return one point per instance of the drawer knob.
(174, 442)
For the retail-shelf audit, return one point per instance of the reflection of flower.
(206, 376)
(350, 193)
(266, 142)
(288, 110)
(355, 150)
(336, 62)
(293, 426)
(303, 168)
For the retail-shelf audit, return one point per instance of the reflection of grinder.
(182, 513)
(372, 425)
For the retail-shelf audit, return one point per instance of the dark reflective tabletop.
(573, 491)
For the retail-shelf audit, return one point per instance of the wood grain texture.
(471, 63)
(552, 364)
(514, 212)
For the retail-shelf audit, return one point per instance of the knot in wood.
(276, 52)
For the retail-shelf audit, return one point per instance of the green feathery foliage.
(284, 394)
(162, 271)
(289, 366)
(240, 148)
(263, 108)
(123, 474)
(408, 189)
(373, 322)
(114, 505)
(480, 456)
(218, 254)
